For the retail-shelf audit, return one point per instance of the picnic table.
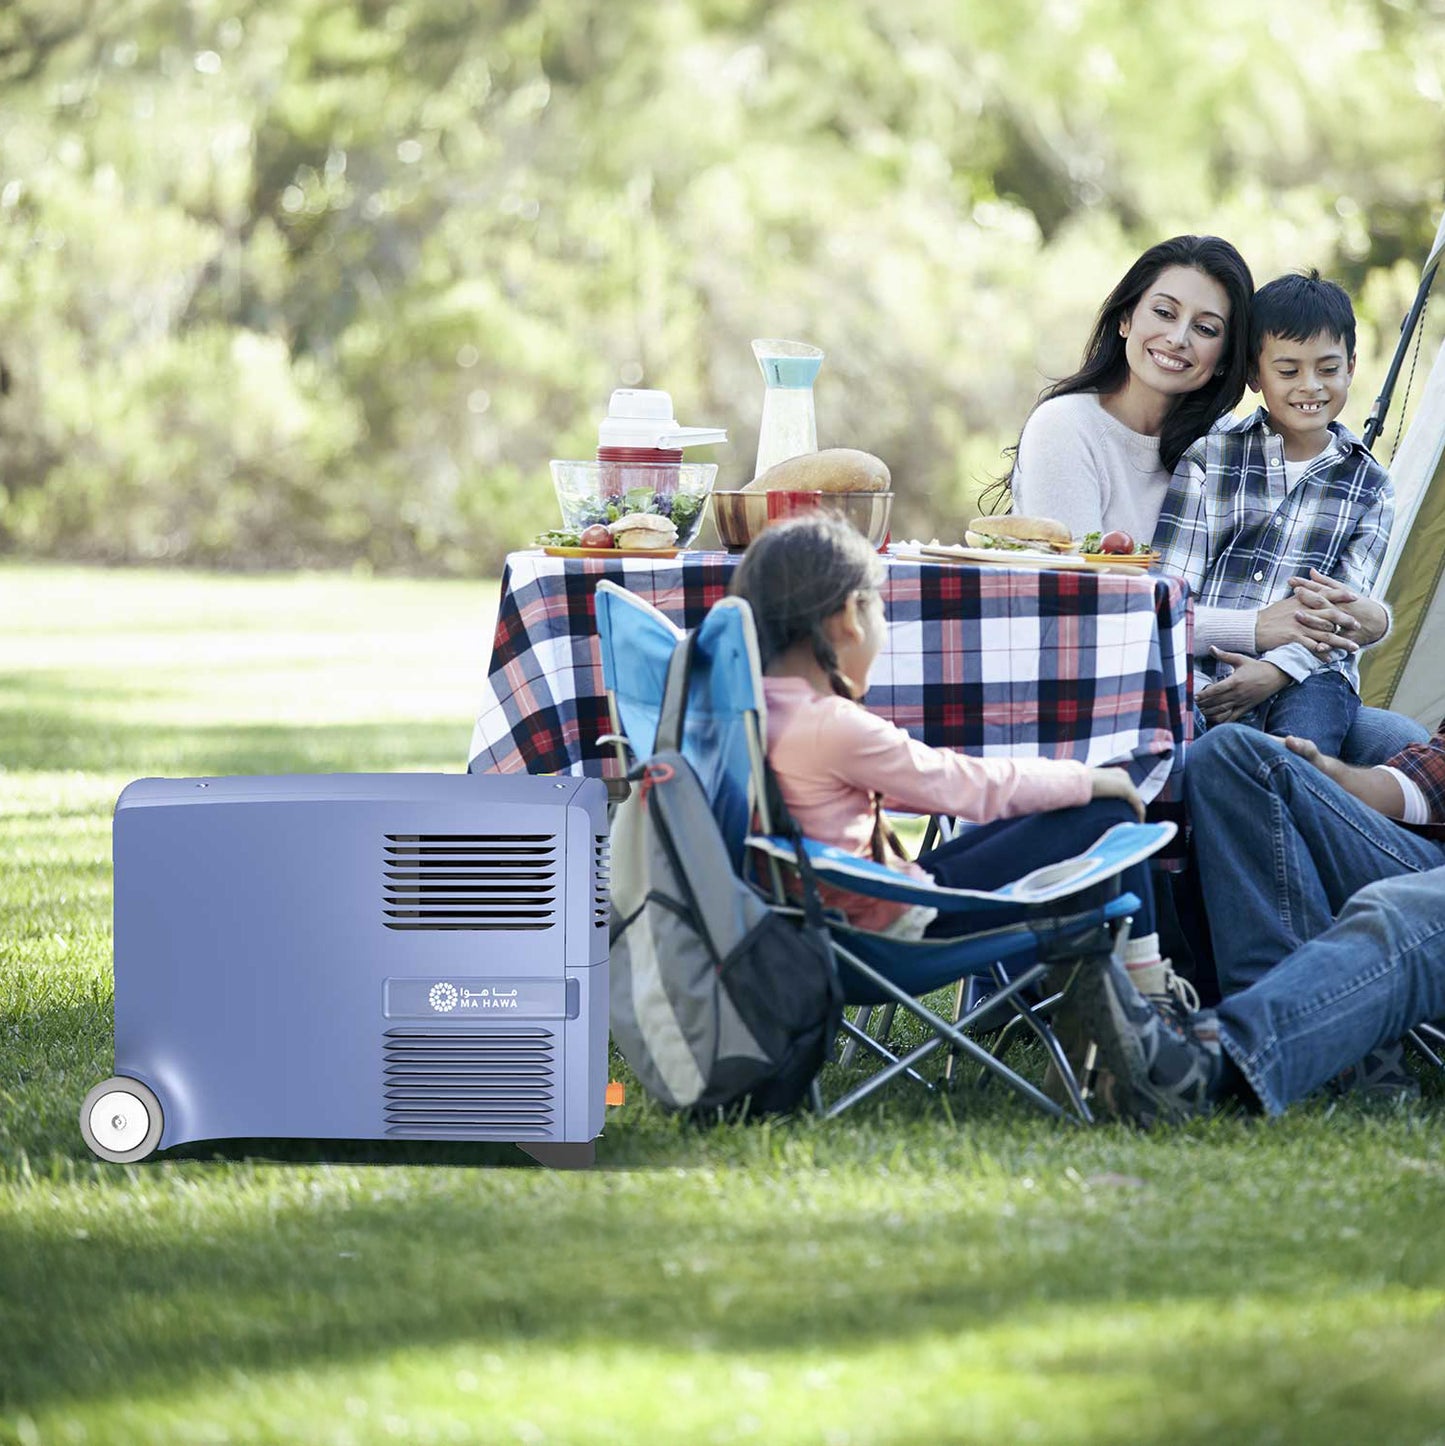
(993, 660)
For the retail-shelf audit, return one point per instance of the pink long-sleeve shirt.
(831, 756)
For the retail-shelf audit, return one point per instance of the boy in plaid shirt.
(1263, 499)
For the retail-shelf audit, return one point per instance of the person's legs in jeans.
(1320, 707)
(1377, 972)
(1377, 734)
(997, 853)
(1281, 849)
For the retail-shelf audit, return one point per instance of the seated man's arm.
(1420, 769)
(1410, 786)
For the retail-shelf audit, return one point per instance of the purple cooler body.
(357, 956)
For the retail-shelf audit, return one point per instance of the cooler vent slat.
(470, 881)
(602, 881)
(496, 1084)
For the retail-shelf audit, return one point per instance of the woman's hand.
(1307, 617)
(1252, 681)
(1115, 783)
(1370, 616)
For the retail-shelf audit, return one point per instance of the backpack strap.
(783, 822)
(812, 903)
(669, 740)
(674, 697)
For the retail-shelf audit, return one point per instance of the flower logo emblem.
(443, 998)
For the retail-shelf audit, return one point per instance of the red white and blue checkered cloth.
(991, 660)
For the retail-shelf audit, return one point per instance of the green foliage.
(318, 282)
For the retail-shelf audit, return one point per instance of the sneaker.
(1165, 1069)
(1381, 1076)
(1168, 992)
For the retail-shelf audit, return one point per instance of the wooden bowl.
(741, 516)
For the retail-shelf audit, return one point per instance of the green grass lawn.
(938, 1270)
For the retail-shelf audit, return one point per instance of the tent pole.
(1376, 419)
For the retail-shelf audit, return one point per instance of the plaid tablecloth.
(992, 660)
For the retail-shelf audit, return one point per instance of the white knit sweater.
(1078, 464)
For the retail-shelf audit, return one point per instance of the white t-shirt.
(1078, 464)
(1294, 471)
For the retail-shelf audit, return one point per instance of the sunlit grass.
(930, 1271)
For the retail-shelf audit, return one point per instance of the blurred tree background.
(315, 283)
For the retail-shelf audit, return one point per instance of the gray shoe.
(1381, 1076)
(1166, 1068)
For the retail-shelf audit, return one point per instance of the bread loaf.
(835, 469)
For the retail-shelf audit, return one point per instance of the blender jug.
(789, 427)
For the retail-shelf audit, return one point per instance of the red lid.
(639, 454)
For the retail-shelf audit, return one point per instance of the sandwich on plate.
(643, 530)
(1009, 532)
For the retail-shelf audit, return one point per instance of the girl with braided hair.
(813, 586)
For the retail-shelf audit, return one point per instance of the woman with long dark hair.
(1167, 357)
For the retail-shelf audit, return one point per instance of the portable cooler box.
(389, 956)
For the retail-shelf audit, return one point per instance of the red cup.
(626, 469)
(782, 504)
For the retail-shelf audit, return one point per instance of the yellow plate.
(612, 551)
(1122, 559)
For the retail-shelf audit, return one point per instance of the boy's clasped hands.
(1321, 612)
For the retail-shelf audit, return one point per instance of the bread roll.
(1040, 532)
(643, 530)
(835, 469)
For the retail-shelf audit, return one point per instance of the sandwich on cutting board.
(1010, 532)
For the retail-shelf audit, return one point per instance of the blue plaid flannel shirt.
(1233, 531)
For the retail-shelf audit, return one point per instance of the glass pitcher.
(789, 427)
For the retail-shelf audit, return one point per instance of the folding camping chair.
(723, 739)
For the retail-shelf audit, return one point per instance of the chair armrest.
(1112, 852)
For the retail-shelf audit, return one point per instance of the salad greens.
(679, 508)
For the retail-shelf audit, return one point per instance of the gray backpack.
(717, 1002)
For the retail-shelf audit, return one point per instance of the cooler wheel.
(121, 1120)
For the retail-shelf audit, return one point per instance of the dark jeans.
(994, 854)
(1321, 707)
(1282, 849)
(1371, 736)
(1377, 734)
(1329, 918)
